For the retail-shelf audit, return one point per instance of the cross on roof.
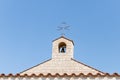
(63, 27)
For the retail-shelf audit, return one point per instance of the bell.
(63, 50)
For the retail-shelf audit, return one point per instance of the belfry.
(62, 48)
(62, 54)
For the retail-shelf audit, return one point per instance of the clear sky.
(27, 28)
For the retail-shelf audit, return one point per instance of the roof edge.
(87, 66)
(64, 38)
(35, 66)
(63, 75)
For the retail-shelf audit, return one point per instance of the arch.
(62, 47)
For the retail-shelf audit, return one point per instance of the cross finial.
(62, 28)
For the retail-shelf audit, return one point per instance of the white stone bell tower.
(62, 62)
(62, 48)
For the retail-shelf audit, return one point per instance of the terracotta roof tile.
(63, 75)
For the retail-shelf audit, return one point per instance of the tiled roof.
(63, 75)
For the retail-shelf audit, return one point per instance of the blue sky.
(27, 28)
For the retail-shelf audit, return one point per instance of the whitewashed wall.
(59, 78)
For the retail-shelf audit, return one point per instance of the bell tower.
(63, 48)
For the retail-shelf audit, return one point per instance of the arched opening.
(62, 47)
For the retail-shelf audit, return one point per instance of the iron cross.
(63, 27)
